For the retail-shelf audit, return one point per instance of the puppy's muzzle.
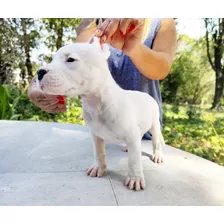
(41, 73)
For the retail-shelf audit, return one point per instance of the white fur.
(110, 112)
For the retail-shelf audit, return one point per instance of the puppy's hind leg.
(157, 142)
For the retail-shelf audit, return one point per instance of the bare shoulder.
(167, 31)
(166, 38)
(168, 23)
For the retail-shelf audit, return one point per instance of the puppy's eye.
(71, 60)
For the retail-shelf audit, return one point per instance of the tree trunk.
(218, 41)
(196, 92)
(23, 74)
(219, 86)
(218, 74)
(26, 46)
(59, 35)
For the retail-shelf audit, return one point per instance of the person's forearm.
(152, 64)
(84, 30)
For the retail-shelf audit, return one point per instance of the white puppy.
(110, 112)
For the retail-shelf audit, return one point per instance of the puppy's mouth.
(57, 85)
(53, 85)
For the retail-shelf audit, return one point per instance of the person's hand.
(123, 34)
(48, 103)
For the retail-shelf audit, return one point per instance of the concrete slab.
(44, 164)
(52, 189)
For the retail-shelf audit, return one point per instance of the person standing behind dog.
(142, 52)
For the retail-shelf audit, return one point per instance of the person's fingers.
(106, 30)
(129, 25)
(58, 105)
(117, 42)
(101, 28)
(38, 97)
(110, 30)
(135, 23)
(49, 101)
(60, 100)
(124, 25)
(56, 109)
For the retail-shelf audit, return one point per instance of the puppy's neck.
(101, 96)
(92, 100)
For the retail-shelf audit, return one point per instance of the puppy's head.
(76, 69)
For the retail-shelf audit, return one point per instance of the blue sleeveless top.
(128, 76)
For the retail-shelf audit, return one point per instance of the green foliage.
(31, 29)
(15, 105)
(8, 104)
(3, 101)
(191, 78)
(193, 113)
(73, 114)
(59, 31)
(9, 51)
(175, 108)
(198, 132)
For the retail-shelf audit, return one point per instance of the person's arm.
(155, 63)
(85, 29)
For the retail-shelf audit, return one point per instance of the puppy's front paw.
(157, 156)
(96, 171)
(135, 183)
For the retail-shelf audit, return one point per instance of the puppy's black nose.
(41, 73)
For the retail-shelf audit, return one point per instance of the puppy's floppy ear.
(104, 48)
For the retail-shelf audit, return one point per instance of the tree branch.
(208, 47)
